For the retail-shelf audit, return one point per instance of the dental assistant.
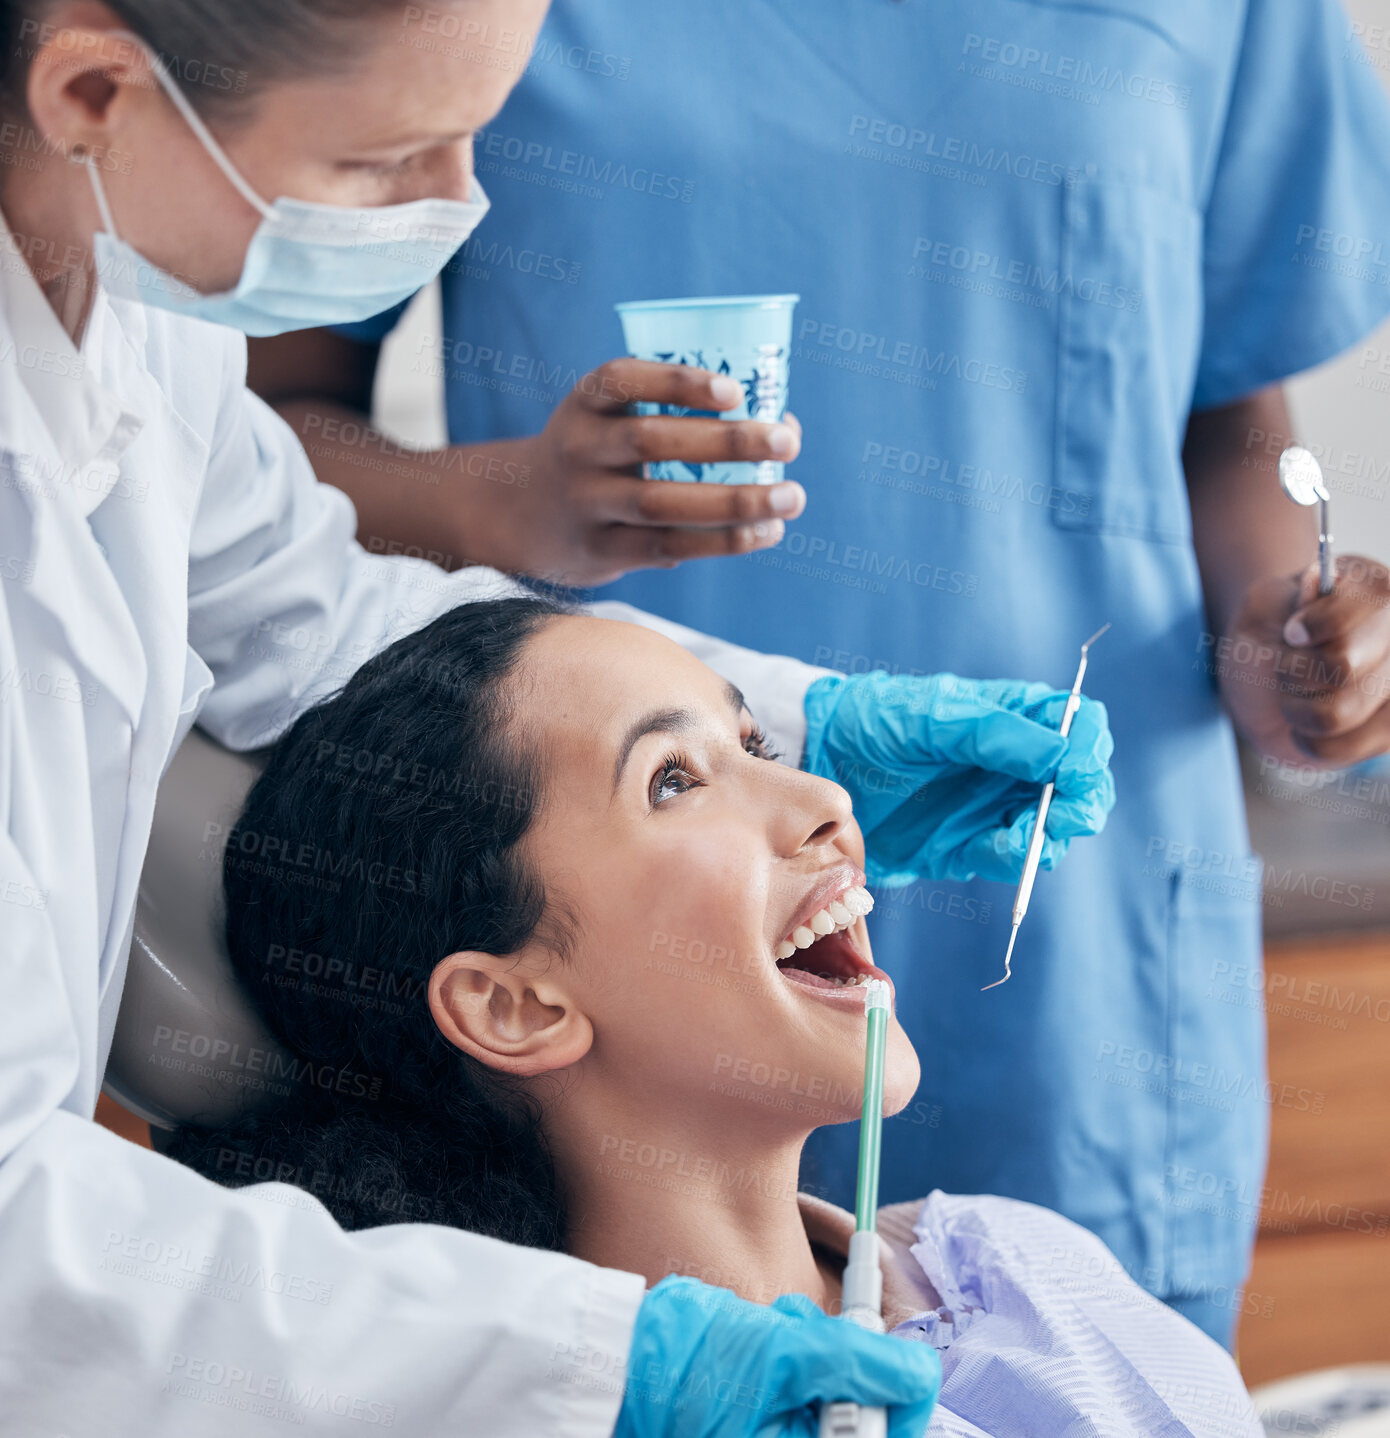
(168, 557)
(1054, 261)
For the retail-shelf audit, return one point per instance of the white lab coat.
(167, 556)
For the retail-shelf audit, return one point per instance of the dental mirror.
(1300, 476)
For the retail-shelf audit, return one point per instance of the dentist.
(168, 557)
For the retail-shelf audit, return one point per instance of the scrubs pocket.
(1217, 1089)
(1129, 331)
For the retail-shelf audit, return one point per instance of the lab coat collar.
(87, 424)
(110, 569)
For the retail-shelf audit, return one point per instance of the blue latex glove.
(945, 773)
(707, 1364)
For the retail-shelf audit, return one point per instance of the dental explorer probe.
(1300, 475)
(1035, 840)
(861, 1298)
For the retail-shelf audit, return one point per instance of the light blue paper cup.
(747, 337)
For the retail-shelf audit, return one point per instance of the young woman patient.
(597, 949)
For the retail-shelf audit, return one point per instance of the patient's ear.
(504, 1014)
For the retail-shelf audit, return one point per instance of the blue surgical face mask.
(307, 264)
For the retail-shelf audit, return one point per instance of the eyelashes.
(675, 769)
(761, 746)
(676, 775)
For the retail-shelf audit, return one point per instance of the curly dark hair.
(382, 836)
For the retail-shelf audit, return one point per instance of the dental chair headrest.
(188, 1047)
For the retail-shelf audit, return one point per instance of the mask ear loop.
(195, 123)
(108, 222)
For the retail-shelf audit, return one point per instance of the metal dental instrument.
(1035, 840)
(862, 1285)
(1301, 477)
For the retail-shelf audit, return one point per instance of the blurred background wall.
(1343, 409)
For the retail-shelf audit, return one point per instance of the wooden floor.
(1319, 1292)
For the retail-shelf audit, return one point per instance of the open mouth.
(820, 951)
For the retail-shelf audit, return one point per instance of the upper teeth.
(838, 914)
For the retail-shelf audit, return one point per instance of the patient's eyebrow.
(667, 721)
(659, 721)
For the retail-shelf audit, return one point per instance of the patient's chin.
(902, 1073)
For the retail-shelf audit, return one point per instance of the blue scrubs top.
(1030, 237)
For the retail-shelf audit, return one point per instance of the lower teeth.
(837, 980)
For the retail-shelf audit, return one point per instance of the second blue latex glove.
(945, 773)
(705, 1363)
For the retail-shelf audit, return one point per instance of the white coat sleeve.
(284, 604)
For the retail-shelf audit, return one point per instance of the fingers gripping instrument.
(1039, 834)
(862, 1295)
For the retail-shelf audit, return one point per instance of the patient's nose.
(808, 811)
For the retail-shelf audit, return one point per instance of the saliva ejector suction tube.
(862, 1295)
